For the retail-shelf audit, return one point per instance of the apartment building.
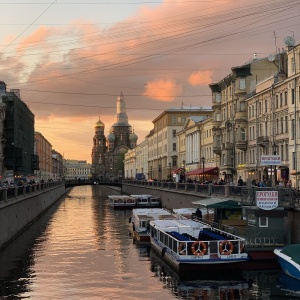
(232, 133)
(163, 142)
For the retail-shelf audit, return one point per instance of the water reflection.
(187, 285)
(80, 249)
(289, 284)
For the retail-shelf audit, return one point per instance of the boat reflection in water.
(185, 285)
(289, 284)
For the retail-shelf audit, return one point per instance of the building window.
(174, 132)
(174, 146)
(173, 119)
(242, 83)
(293, 129)
(263, 221)
(276, 102)
(174, 161)
(286, 124)
(243, 134)
(293, 96)
(285, 98)
(266, 105)
(281, 125)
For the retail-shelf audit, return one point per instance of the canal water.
(81, 249)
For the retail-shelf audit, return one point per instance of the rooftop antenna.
(274, 34)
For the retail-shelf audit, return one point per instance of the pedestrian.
(240, 181)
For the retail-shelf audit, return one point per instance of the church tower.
(98, 151)
(121, 138)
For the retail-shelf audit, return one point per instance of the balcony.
(241, 145)
(263, 141)
(217, 150)
(227, 146)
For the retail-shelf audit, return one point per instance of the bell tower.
(98, 151)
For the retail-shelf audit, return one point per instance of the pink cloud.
(163, 90)
(200, 78)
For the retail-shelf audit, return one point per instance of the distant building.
(44, 152)
(108, 153)
(57, 166)
(77, 169)
(18, 135)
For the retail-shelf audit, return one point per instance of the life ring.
(182, 249)
(199, 248)
(225, 247)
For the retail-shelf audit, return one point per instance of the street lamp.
(183, 163)
(274, 148)
(203, 162)
(170, 165)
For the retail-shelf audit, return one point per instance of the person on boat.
(199, 213)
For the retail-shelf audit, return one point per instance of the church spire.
(121, 110)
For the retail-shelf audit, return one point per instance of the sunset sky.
(71, 59)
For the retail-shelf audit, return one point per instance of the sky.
(71, 59)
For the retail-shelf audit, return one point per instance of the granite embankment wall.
(19, 212)
(170, 198)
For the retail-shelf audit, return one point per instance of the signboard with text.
(270, 160)
(267, 200)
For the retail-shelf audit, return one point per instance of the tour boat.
(289, 259)
(121, 201)
(140, 221)
(147, 201)
(194, 244)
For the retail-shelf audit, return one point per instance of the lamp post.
(170, 165)
(274, 148)
(143, 173)
(183, 163)
(203, 162)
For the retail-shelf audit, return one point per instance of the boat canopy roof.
(292, 251)
(218, 203)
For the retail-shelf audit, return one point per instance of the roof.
(218, 203)
(201, 171)
(198, 118)
(293, 252)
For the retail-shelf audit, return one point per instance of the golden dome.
(99, 123)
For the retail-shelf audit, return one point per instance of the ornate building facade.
(108, 153)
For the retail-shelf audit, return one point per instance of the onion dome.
(99, 123)
(111, 137)
(133, 137)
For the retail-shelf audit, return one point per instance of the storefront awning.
(178, 170)
(205, 171)
(218, 203)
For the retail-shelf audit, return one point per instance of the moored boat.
(289, 259)
(195, 244)
(140, 221)
(121, 201)
(147, 200)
